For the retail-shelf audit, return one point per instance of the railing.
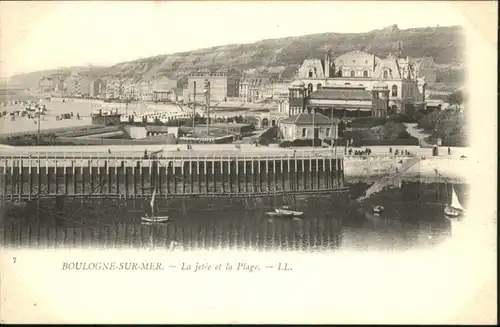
(183, 155)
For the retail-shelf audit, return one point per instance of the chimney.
(327, 64)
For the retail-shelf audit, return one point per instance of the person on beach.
(449, 151)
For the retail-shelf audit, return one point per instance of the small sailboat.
(153, 219)
(378, 209)
(454, 210)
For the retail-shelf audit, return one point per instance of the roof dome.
(380, 85)
(298, 83)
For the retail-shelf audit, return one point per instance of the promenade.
(200, 150)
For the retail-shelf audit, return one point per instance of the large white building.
(362, 69)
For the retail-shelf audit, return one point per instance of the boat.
(378, 209)
(285, 211)
(454, 210)
(153, 219)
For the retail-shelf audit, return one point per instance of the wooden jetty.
(178, 175)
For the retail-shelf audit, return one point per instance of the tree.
(457, 97)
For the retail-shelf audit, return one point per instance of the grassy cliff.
(281, 57)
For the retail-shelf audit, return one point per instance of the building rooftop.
(298, 83)
(307, 119)
(341, 93)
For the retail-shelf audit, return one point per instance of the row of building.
(406, 78)
(161, 88)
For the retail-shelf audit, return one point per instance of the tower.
(327, 64)
(297, 96)
(380, 99)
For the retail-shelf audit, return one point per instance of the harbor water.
(413, 217)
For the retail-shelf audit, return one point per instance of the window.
(309, 88)
(386, 74)
(327, 132)
(366, 61)
(365, 73)
(353, 73)
(318, 87)
(310, 73)
(354, 61)
(304, 132)
(394, 91)
(347, 84)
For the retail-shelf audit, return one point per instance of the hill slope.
(281, 57)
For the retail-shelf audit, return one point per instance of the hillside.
(281, 57)
(30, 80)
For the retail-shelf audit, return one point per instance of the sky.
(42, 35)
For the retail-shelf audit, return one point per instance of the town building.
(305, 126)
(145, 88)
(45, 85)
(224, 84)
(258, 88)
(71, 86)
(114, 89)
(97, 88)
(362, 69)
(84, 85)
(344, 102)
(278, 90)
(253, 88)
(163, 88)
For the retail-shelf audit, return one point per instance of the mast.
(194, 106)
(207, 90)
(38, 124)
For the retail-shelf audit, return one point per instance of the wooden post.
(222, 180)
(141, 176)
(30, 172)
(75, 179)
(56, 177)
(174, 173)
(65, 172)
(318, 174)
(183, 175)
(237, 161)
(158, 177)
(117, 176)
(126, 176)
(230, 174)
(205, 175)
(245, 175)
(268, 175)
(134, 178)
(282, 175)
(258, 178)
(214, 179)
(191, 177)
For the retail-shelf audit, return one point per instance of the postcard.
(248, 162)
